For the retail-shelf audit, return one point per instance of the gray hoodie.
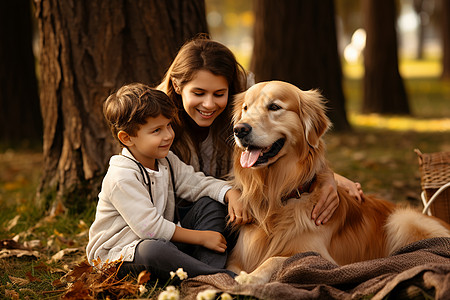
(125, 213)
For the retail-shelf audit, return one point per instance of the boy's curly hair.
(130, 106)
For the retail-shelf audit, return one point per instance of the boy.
(136, 209)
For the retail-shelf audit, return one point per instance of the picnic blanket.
(420, 269)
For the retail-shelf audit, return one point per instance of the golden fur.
(357, 231)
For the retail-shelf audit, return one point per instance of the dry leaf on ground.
(12, 223)
(143, 277)
(18, 281)
(18, 253)
(58, 256)
(88, 282)
(11, 294)
(11, 244)
(32, 278)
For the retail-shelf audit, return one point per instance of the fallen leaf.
(11, 244)
(63, 239)
(41, 267)
(83, 233)
(18, 253)
(78, 271)
(83, 225)
(32, 244)
(32, 278)
(12, 223)
(18, 281)
(77, 291)
(58, 283)
(398, 184)
(143, 277)
(27, 290)
(58, 256)
(12, 294)
(86, 282)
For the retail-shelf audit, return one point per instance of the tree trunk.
(88, 50)
(295, 41)
(418, 8)
(445, 16)
(20, 115)
(384, 91)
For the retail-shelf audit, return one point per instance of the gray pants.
(159, 257)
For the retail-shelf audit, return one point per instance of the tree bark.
(20, 115)
(418, 8)
(445, 16)
(295, 41)
(384, 91)
(89, 49)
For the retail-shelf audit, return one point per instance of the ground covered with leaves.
(43, 257)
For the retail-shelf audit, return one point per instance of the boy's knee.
(153, 250)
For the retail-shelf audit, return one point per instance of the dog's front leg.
(263, 273)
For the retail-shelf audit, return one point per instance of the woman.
(202, 80)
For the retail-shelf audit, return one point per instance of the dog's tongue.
(249, 157)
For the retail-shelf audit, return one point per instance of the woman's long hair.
(197, 54)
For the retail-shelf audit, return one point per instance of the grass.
(378, 153)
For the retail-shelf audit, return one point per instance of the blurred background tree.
(87, 50)
(419, 8)
(384, 91)
(295, 41)
(20, 117)
(445, 23)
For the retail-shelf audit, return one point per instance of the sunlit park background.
(378, 152)
(429, 96)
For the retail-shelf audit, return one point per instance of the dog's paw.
(245, 278)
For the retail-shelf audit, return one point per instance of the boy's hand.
(209, 239)
(235, 209)
(213, 240)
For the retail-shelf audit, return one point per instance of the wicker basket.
(435, 176)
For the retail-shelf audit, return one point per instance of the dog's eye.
(273, 107)
(244, 107)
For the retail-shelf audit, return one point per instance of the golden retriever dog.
(279, 154)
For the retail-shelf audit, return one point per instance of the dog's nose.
(242, 129)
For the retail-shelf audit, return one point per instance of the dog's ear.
(312, 112)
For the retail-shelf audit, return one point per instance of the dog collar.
(299, 191)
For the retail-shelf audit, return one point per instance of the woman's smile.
(205, 97)
(206, 114)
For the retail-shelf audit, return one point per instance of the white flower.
(142, 290)
(171, 293)
(207, 295)
(171, 289)
(180, 273)
(225, 296)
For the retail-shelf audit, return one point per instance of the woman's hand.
(328, 199)
(235, 209)
(353, 188)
